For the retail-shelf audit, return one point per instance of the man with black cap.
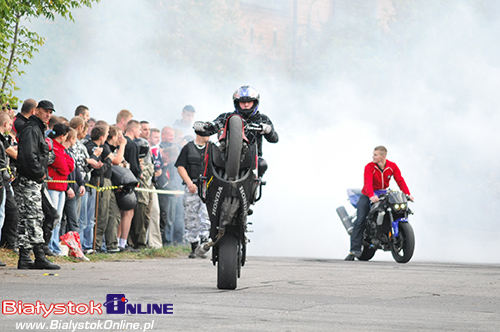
(32, 157)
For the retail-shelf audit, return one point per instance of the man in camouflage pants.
(190, 167)
(32, 167)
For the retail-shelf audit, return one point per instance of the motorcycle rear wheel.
(235, 141)
(367, 253)
(227, 266)
(402, 247)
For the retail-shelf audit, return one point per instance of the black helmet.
(246, 93)
(126, 198)
(143, 147)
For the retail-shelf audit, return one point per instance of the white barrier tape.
(160, 191)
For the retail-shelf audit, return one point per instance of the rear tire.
(367, 254)
(402, 248)
(234, 145)
(227, 266)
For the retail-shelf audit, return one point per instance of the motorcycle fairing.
(355, 194)
(225, 198)
(217, 160)
(397, 197)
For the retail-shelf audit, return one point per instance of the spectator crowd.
(63, 175)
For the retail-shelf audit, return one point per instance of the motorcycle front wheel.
(227, 266)
(235, 141)
(403, 246)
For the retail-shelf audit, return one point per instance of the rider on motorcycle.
(376, 177)
(246, 103)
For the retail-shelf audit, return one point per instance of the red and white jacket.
(62, 166)
(375, 178)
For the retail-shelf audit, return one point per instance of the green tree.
(17, 43)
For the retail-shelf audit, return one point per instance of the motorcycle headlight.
(399, 206)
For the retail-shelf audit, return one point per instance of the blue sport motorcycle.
(387, 225)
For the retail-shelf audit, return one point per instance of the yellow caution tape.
(59, 181)
(6, 169)
(99, 189)
(157, 191)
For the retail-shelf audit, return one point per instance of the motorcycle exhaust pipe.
(346, 220)
(204, 248)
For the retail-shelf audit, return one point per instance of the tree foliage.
(17, 43)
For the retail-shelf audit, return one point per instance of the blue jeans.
(87, 215)
(58, 198)
(168, 205)
(359, 225)
(178, 236)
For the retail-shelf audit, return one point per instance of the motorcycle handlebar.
(254, 127)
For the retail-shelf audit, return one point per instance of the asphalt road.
(273, 294)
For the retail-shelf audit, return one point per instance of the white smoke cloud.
(430, 96)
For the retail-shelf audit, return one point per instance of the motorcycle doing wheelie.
(229, 186)
(387, 225)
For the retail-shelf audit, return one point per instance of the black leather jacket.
(33, 150)
(253, 137)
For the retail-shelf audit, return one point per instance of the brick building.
(280, 29)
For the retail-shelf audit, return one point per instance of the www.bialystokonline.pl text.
(61, 325)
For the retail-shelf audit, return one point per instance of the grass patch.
(10, 258)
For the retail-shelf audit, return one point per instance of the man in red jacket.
(376, 177)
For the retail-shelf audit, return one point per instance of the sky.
(427, 89)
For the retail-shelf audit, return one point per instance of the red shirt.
(60, 168)
(376, 179)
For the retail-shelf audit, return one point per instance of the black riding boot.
(25, 261)
(41, 262)
(194, 245)
(47, 250)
